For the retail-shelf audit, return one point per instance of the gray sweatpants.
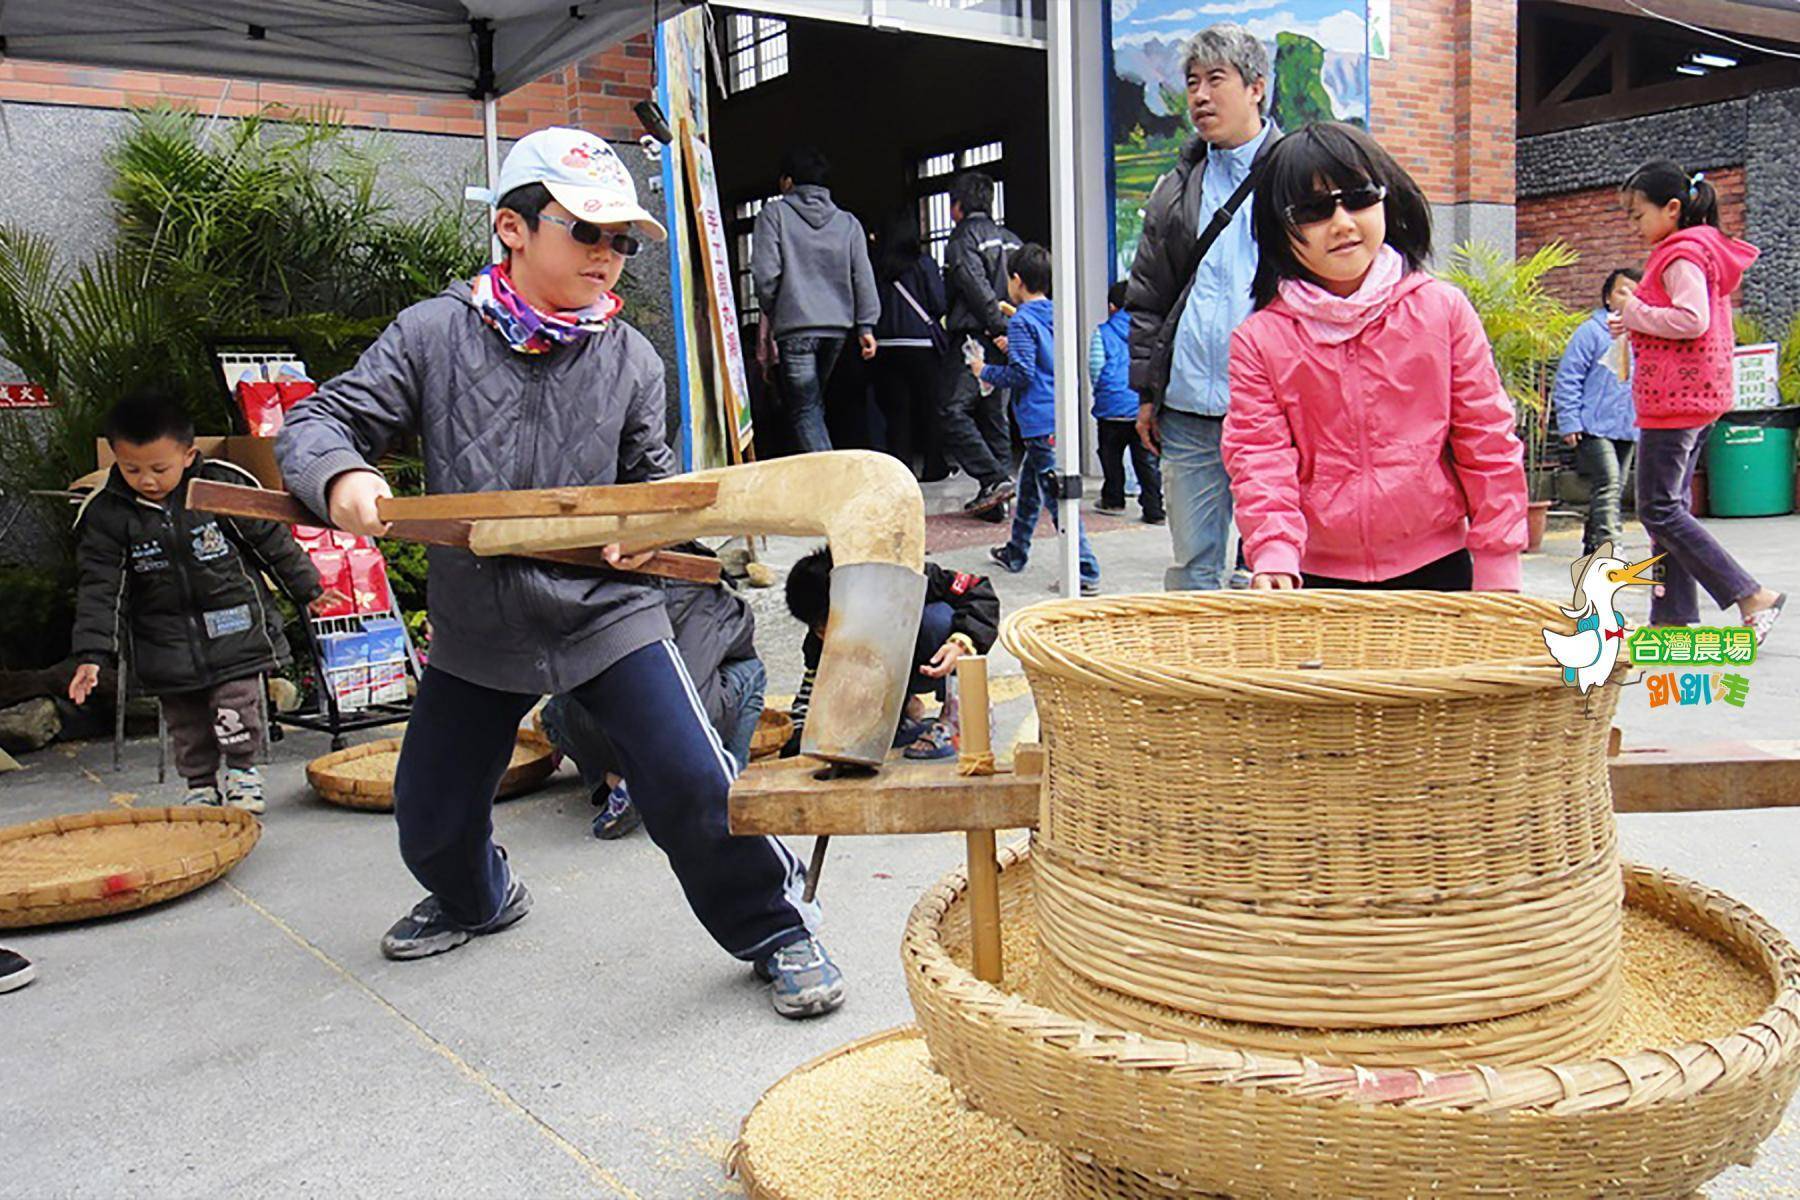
(225, 720)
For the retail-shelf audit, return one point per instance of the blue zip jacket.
(1030, 368)
(1109, 367)
(1589, 398)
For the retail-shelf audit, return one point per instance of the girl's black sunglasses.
(1321, 205)
(627, 244)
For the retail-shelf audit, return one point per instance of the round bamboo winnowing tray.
(363, 776)
(97, 864)
(773, 729)
(1322, 809)
(1141, 1115)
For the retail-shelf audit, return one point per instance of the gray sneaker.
(203, 796)
(426, 931)
(803, 981)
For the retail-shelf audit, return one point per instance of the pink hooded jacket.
(1379, 454)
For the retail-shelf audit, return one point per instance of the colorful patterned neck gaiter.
(531, 330)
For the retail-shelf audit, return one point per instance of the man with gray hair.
(1190, 288)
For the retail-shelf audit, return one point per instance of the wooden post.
(984, 867)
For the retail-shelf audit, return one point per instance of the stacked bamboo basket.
(1328, 901)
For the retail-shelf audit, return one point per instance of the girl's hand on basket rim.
(1267, 582)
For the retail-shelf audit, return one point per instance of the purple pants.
(1665, 475)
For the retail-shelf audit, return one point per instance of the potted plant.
(1528, 329)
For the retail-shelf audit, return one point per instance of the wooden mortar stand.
(787, 798)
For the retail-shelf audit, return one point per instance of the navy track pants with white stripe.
(745, 890)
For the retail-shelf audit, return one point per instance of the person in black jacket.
(189, 587)
(911, 336)
(961, 616)
(973, 427)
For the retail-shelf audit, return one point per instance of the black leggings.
(1455, 572)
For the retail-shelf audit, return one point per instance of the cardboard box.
(255, 454)
(387, 660)
(347, 668)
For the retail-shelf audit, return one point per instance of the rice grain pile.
(877, 1121)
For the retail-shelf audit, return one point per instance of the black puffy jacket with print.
(186, 585)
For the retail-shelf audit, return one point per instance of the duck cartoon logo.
(1589, 655)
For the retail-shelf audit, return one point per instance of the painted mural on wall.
(1318, 50)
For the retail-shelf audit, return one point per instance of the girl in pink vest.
(1369, 442)
(1681, 340)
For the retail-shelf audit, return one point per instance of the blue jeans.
(744, 680)
(576, 733)
(1197, 493)
(805, 363)
(1037, 487)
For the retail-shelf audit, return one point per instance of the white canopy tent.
(485, 48)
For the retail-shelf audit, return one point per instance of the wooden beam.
(612, 500)
(1661, 97)
(784, 797)
(1598, 52)
(229, 499)
(1707, 777)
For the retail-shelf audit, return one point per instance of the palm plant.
(259, 229)
(1527, 328)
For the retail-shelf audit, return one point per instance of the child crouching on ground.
(188, 587)
(961, 616)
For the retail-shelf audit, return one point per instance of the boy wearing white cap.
(526, 378)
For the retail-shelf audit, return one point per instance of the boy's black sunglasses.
(627, 244)
(1321, 205)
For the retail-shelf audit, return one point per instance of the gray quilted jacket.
(491, 419)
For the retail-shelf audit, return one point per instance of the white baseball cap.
(582, 173)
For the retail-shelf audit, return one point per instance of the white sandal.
(1763, 619)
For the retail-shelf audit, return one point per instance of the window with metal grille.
(757, 50)
(935, 173)
(741, 227)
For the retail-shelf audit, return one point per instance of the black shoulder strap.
(1228, 210)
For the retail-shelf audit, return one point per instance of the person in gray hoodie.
(527, 378)
(810, 261)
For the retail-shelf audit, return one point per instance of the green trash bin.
(1750, 464)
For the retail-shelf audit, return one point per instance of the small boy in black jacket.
(189, 587)
(962, 616)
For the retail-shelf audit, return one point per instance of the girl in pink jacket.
(1681, 342)
(1369, 441)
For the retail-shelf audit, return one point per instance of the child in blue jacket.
(1030, 372)
(1115, 414)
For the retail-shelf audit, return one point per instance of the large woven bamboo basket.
(334, 777)
(1139, 1115)
(1324, 809)
(97, 864)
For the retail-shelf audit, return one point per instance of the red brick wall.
(1593, 223)
(1444, 102)
(595, 94)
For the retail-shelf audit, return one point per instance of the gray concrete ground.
(249, 1040)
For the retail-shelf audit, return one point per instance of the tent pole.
(490, 137)
(1066, 279)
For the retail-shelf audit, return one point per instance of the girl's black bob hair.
(1328, 156)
